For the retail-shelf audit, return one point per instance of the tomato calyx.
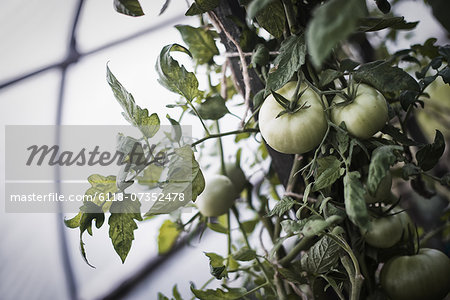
(291, 106)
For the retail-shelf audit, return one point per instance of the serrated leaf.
(244, 254)
(200, 42)
(428, 156)
(122, 224)
(382, 159)
(355, 204)
(217, 268)
(168, 234)
(293, 227)
(202, 6)
(389, 80)
(282, 206)
(213, 108)
(101, 190)
(332, 22)
(218, 294)
(128, 7)
(74, 222)
(375, 24)
(175, 77)
(272, 18)
(328, 171)
(322, 257)
(133, 113)
(291, 58)
(184, 177)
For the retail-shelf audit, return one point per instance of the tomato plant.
(425, 275)
(307, 90)
(293, 132)
(366, 113)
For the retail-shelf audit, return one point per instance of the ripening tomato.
(424, 276)
(385, 231)
(365, 115)
(297, 132)
(217, 197)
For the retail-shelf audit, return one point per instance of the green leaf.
(89, 212)
(282, 206)
(382, 159)
(331, 23)
(213, 108)
(122, 224)
(322, 257)
(410, 170)
(101, 189)
(217, 227)
(383, 6)
(256, 6)
(184, 178)
(74, 222)
(291, 58)
(293, 227)
(315, 226)
(151, 176)
(445, 74)
(217, 268)
(133, 113)
(202, 6)
(218, 294)
(176, 293)
(175, 77)
(428, 156)
(244, 254)
(177, 133)
(168, 234)
(387, 79)
(328, 76)
(260, 56)
(200, 42)
(328, 171)
(272, 18)
(128, 7)
(398, 136)
(375, 24)
(249, 225)
(355, 204)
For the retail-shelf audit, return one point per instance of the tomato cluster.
(302, 130)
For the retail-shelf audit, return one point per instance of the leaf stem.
(290, 16)
(244, 234)
(200, 118)
(211, 136)
(304, 244)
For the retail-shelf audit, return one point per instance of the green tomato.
(384, 232)
(217, 197)
(425, 275)
(383, 192)
(363, 117)
(293, 133)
